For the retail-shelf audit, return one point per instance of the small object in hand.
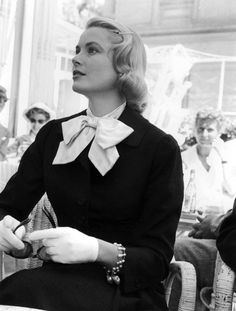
(42, 254)
(22, 253)
(27, 250)
(24, 222)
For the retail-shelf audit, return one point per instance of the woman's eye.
(92, 50)
(77, 50)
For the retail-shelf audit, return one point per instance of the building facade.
(191, 50)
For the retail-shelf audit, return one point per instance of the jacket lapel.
(83, 157)
(137, 122)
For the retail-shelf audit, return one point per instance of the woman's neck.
(102, 105)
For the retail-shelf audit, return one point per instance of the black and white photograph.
(117, 155)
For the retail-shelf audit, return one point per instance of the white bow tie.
(79, 132)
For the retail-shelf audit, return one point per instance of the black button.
(137, 283)
(81, 202)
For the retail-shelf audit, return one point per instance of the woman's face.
(93, 70)
(37, 120)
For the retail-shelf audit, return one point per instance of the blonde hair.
(129, 61)
(210, 115)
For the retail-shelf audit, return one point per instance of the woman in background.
(114, 181)
(37, 115)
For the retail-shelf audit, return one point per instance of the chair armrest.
(223, 287)
(188, 292)
(39, 222)
(220, 296)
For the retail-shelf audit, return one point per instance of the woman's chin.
(77, 89)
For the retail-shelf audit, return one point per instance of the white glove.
(67, 245)
(8, 239)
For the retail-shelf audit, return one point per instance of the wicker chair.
(186, 270)
(188, 291)
(220, 296)
(39, 222)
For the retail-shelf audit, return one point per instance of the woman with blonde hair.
(114, 181)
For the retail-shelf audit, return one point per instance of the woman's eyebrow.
(93, 43)
(87, 44)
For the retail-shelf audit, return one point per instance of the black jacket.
(137, 203)
(226, 240)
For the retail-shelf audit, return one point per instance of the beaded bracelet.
(112, 274)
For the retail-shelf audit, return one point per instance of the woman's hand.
(8, 239)
(67, 245)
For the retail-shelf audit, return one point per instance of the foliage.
(78, 12)
(229, 129)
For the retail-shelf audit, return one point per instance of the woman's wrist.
(107, 253)
(112, 256)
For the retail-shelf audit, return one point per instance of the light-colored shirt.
(210, 196)
(116, 113)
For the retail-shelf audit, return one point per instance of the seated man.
(213, 161)
(209, 160)
(200, 250)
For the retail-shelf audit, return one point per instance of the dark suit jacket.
(226, 240)
(137, 203)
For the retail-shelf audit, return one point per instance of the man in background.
(215, 185)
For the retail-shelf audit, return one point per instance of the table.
(14, 308)
(185, 223)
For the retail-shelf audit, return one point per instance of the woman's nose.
(76, 60)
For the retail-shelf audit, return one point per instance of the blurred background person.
(4, 133)
(37, 115)
(209, 161)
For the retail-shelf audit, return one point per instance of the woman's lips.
(77, 73)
